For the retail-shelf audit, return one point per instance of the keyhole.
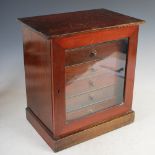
(93, 53)
(58, 91)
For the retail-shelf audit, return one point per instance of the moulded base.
(78, 137)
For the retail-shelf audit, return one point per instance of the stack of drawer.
(94, 78)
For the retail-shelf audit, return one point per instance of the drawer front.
(89, 84)
(94, 75)
(108, 65)
(92, 52)
(88, 110)
(93, 101)
(90, 98)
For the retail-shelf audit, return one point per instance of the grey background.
(16, 134)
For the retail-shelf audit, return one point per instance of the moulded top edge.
(64, 24)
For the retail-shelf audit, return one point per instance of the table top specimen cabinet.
(79, 71)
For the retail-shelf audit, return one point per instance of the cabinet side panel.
(38, 75)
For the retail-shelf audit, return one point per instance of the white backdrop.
(16, 134)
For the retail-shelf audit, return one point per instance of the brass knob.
(91, 97)
(91, 83)
(93, 53)
(93, 69)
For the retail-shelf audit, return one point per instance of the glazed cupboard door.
(94, 78)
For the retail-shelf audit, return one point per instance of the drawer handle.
(91, 98)
(120, 70)
(91, 83)
(93, 69)
(93, 53)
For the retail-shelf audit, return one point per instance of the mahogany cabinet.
(79, 71)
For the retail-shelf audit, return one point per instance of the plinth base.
(78, 137)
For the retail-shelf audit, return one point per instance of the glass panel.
(96, 82)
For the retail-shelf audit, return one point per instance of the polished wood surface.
(38, 75)
(92, 52)
(61, 52)
(86, 39)
(56, 85)
(78, 137)
(78, 40)
(56, 25)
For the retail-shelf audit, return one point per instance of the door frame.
(58, 47)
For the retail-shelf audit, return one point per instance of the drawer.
(92, 52)
(93, 97)
(89, 84)
(113, 64)
(94, 101)
(91, 109)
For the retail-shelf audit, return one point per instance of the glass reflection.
(95, 85)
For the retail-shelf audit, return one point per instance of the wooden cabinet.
(79, 71)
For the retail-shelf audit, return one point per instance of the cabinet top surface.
(56, 25)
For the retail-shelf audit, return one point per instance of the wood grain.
(65, 24)
(85, 53)
(81, 136)
(58, 48)
(38, 75)
(78, 40)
